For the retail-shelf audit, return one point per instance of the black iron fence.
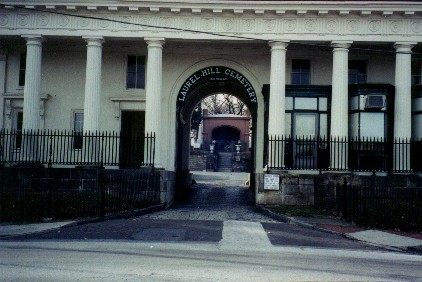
(54, 147)
(374, 206)
(344, 154)
(34, 194)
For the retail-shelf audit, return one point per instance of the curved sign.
(215, 74)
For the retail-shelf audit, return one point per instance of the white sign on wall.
(271, 181)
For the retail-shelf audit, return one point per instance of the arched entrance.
(225, 136)
(202, 83)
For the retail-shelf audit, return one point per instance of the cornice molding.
(233, 7)
(255, 25)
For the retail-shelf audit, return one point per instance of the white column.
(32, 89)
(339, 131)
(154, 81)
(92, 109)
(276, 115)
(403, 98)
(403, 105)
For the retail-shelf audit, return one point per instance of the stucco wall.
(63, 73)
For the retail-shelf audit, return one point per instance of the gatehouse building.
(319, 78)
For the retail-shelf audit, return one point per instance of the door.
(305, 130)
(132, 139)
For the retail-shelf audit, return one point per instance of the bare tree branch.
(224, 104)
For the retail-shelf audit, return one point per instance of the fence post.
(153, 151)
(102, 150)
(50, 153)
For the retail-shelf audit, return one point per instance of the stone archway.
(202, 83)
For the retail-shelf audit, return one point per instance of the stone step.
(225, 162)
(224, 167)
(224, 170)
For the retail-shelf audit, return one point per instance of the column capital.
(33, 39)
(155, 41)
(94, 40)
(404, 46)
(341, 44)
(279, 45)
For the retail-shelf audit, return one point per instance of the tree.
(224, 104)
(196, 117)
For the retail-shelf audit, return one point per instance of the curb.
(287, 219)
(120, 215)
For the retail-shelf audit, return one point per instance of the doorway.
(225, 138)
(132, 139)
(305, 129)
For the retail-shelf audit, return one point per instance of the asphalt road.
(138, 261)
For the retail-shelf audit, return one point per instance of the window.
(78, 126)
(416, 72)
(19, 123)
(357, 72)
(135, 72)
(22, 69)
(309, 105)
(301, 70)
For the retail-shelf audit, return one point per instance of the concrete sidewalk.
(7, 230)
(389, 239)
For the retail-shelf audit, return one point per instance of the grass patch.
(303, 211)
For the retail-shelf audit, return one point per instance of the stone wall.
(293, 190)
(167, 187)
(206, 161)
(242, 162)
(87, 176)
(198, 160)
(299, 189)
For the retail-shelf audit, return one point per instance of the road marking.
(244, 235)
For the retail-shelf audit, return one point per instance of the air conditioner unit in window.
(375, 102)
